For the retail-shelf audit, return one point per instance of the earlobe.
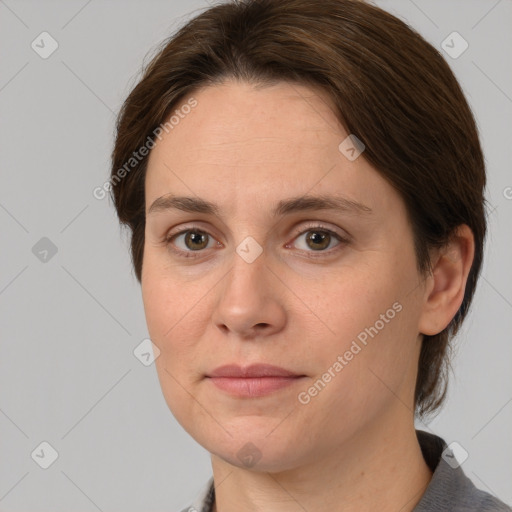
(447, 282)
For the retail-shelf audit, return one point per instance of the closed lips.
(252, 371)
(252, 381)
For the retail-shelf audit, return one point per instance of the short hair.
(390, 88)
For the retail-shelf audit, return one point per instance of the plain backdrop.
(71, 309)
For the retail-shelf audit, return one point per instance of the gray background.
(69, 325)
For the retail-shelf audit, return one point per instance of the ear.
(445, 286)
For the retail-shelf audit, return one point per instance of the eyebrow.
(283, 207)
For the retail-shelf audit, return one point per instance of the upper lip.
(252, 371)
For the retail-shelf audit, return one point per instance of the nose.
(249, 300)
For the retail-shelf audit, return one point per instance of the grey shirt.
(450, 490)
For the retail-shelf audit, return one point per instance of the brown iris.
(318, 237)
(197, 238)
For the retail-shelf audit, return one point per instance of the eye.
(190, 241)
(317, 239)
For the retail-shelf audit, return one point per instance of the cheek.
(170, 323)
(167, 299)
(158, 308)
(176, 316)
(369, 321)
(349, 302)
(163, 311)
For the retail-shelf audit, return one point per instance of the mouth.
(252, 381)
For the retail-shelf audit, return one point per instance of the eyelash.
(168, 241)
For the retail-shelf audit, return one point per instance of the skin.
(353, 446)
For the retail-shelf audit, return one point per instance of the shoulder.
(204, 500)
(450, 489)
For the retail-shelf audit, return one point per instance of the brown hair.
(390, 87)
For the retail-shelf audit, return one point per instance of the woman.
(304, 183)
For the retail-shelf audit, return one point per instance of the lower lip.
(252, 387)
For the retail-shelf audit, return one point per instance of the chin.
(252, 443)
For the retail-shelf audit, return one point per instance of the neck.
(379, 468)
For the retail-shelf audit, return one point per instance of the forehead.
(247, 143)
(237, 118)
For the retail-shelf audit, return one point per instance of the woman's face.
(260, 280)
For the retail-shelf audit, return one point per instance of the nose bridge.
(246, 282)
(247, 298)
